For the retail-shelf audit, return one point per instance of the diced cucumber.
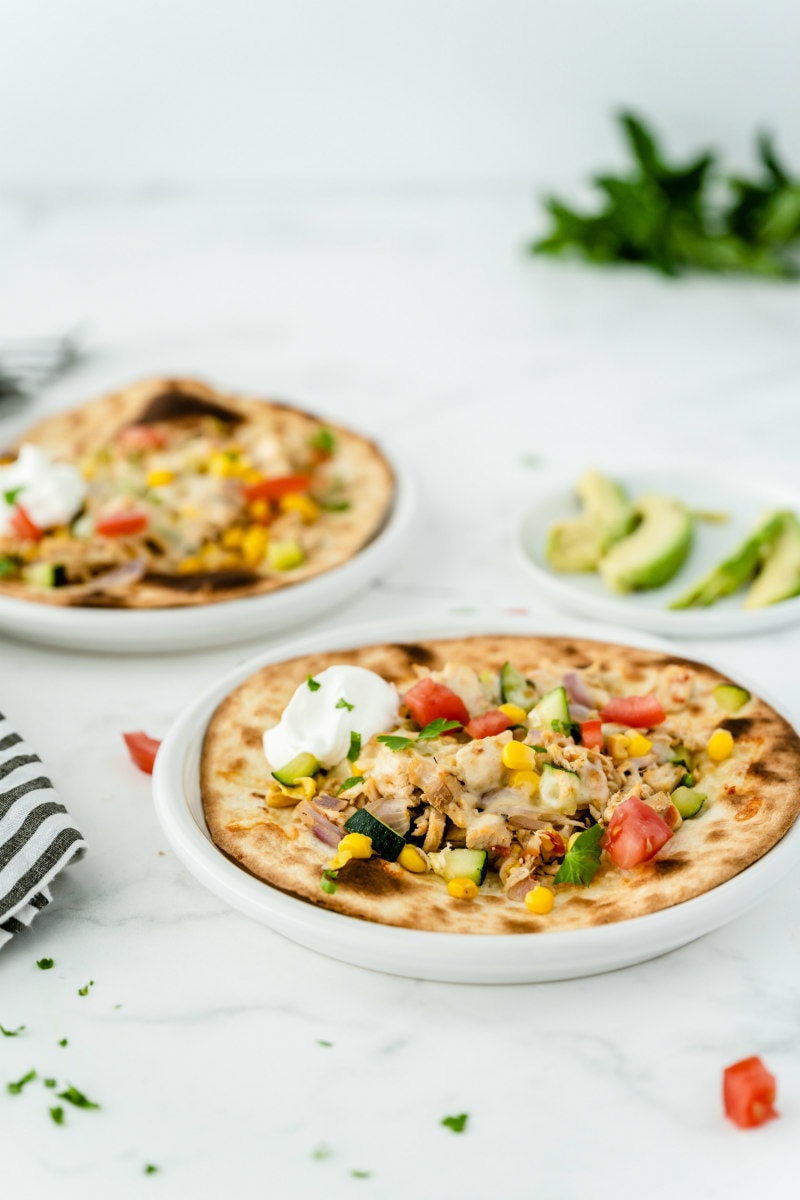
(45, 575)
(553, 706)
(8, 565)
(730, 697)
(681, 755)
(460, 864)
(300, 767)
(515, 688)
(559, 790)
(385, 842)
(687, 801)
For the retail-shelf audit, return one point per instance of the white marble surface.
(417, 318)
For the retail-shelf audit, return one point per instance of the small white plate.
(138, 631)
(450, 958)
(743, 499)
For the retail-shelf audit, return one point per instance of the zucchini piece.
(681, 755)
(552, 707)
(515, 688)
(45, 574)
(385, 842)
(300, 767)
(559, 790)
(730, 697)
(688, 801)
(460, 864)
(8, 565)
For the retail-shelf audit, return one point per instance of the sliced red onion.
(535, 737)
(519, 890)
(577, 690)
(333, 802)
(321, 827)
(646, 760)
(122, 576)
(526, 820)
(393, 811)
(579, 712)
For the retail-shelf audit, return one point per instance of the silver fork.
(26, 365)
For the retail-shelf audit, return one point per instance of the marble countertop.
(418, 318)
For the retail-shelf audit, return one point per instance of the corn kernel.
(252, 476)
(618, 745)
(638, 745)
(232, 538)
(413, 859)
(258, 509)
(283, 556)
(518, 757)
(358, 844)
(340, 859)
(514, 713)
(299, 503)
(159, 478)
(189, 565)
(573, 838)
(305, 788)
(528, 781)
(221, 466)
(463, 889)
(254, 545)
(720, 745)
(540, 900)
(281, 798)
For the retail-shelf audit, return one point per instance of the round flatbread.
(753, 795)
(358, 507)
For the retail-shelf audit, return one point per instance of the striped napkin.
(37, 837)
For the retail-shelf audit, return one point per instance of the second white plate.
(742, 499)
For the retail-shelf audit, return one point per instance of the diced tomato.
(141, 437)
(592, 734)
(122, 524)
(24, 527)
(748, 1092)
(429, 700)
(488, 724)
(557, 842)
(635, 834)
(142, 749)
(640, 712)
(273, 489)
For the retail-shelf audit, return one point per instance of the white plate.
(454, 958)
(742, 498)
(135, 631)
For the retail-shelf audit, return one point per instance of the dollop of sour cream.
(51, 493)
(320, 720)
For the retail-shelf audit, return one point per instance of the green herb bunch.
(681, 218)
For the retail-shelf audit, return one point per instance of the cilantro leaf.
(436, 728)
(11, 495)
(44, 964)
(355, 746)
(395, 743)
(342, 703)
(73, 1096)
(320, 1153)
(568, 728)
(540, 749)
(355, 1174)
(324, 441)
(14, 1089)
(150, 1169)
(457, 1124)
(84, 991)
(322, 1042)
(63, 1042)
(351, 782)
(50, 1083)
(11, 1032)
(57, 1113)
(312, 684)
(582, 862)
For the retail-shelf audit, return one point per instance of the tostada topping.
(37, 494)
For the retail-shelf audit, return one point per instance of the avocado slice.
(578, 544)
(779, 578)
(737, 569)
(655, 550)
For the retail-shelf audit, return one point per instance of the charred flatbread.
(752, 793)
(192, 496)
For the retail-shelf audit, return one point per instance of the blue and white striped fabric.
(37, 837)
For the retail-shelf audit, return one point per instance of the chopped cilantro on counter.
(63, 1042)
(321, 1152)
(73, 1096)
(11, 1032)
(57, 1113)
(582, 862)
(351, 782)
(457, 1124)
(14, 1089)
(150, 1169)
(322, 1042)
(312, 684)
(356, 1174)
(44, 964)
(49, 1083)
(355, 746)
(342, 703)
(84, 991)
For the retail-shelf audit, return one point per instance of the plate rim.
(487, 954)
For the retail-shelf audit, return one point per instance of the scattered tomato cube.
(748, 1091)
(142, 749)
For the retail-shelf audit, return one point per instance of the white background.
(110, 93)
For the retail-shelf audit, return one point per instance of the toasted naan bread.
(753, 796)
